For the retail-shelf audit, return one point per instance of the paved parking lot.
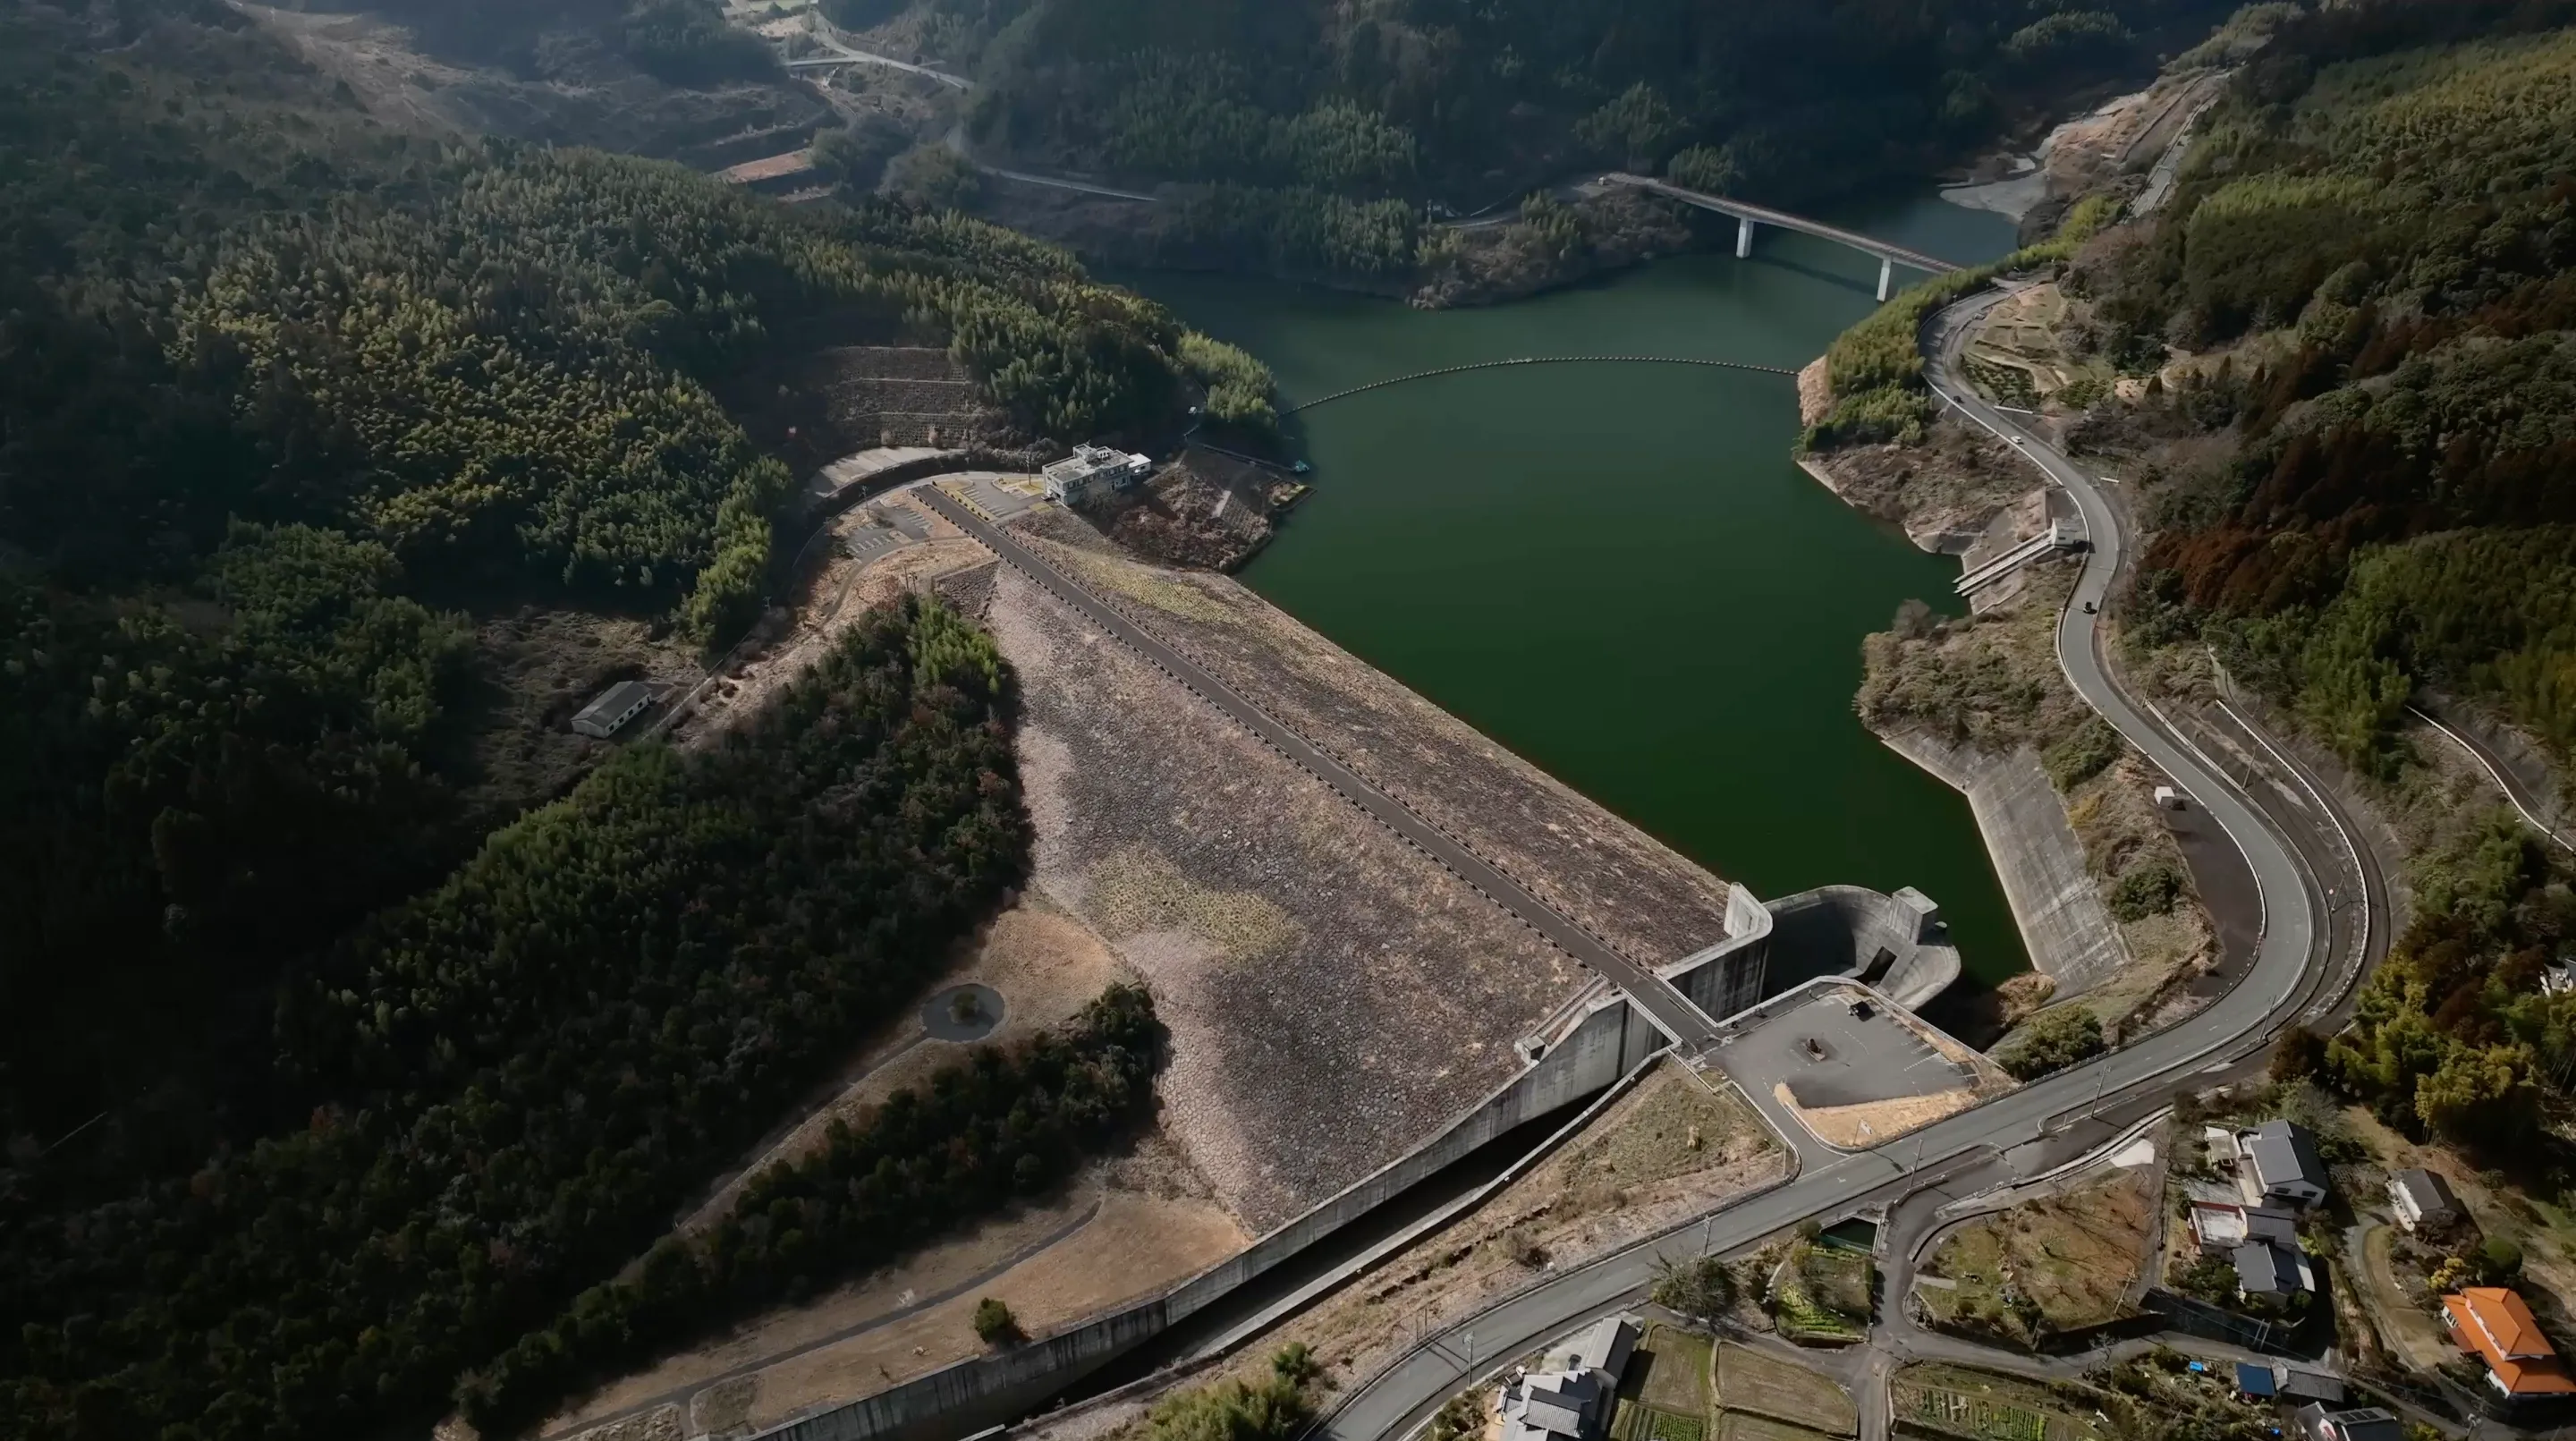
(1000, 500)
(870, 541)
(1829, 1057)
(898, 516)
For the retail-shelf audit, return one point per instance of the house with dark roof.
(2279, 1165)
(614, 707)
(2496, 1326)
(2293, 1383)
(2271, 1272)
(2221, 1228)
(2422, 1200)
(1573, 1398)
(2367, 1423)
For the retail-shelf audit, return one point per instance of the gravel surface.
(1334, 997)
(1644, 898)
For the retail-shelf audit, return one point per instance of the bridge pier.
(1744, 237)
(1886, 273)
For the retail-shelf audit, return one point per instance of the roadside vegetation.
(2056, 1040)
(1278, 1406)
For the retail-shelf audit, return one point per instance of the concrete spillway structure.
(1897, 943)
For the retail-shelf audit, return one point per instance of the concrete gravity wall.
(1896, 943)
(1594, 1047)
(1730, 976)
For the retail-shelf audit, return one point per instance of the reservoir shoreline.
(1618, 571)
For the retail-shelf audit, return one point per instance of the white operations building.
(615, 706)
(1093, 471)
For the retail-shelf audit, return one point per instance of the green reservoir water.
(1617, 570)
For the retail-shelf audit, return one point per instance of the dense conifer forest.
(321, 1085)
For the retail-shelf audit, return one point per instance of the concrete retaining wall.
(1895, 943)
(1730, 976)
(2055, 902)
(1605, 1042)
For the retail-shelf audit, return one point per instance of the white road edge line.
(2492, 774)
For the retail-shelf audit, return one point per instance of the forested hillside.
(329, 1069)
(2397, 225)
(513, 1079)
(1321, 108)
(284, 394)
(2347, 351)
(2381, 228)
(1376, 97)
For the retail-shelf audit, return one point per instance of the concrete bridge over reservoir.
(1541, 360)
(1888, 254)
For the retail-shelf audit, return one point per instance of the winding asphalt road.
(2293, 960)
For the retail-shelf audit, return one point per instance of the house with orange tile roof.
(2494, 1323)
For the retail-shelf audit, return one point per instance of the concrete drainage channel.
(1218, 1331)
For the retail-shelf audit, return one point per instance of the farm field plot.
(1823, 1293)
(1664, 1396)
(1781, 1390)
(2059, 1263)
(1745, 1426)
(1946, 1401)
(1675, 1377)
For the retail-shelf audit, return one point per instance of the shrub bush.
(2053, 1042)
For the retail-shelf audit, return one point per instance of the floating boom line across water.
(1540, 360)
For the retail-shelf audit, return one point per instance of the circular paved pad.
(946, 1020)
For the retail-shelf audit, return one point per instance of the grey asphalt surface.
(1671, 1011)
(2291, 964)
(1874, 1060)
